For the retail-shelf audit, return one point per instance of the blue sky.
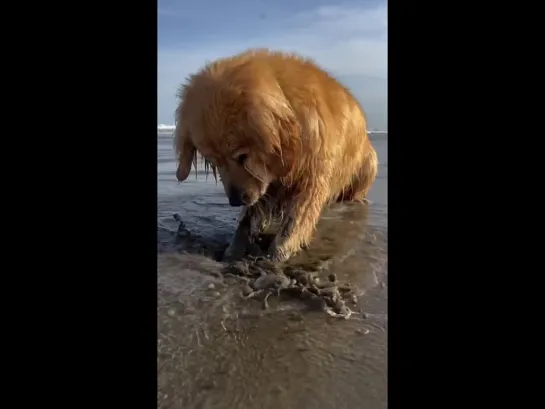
(348, 38)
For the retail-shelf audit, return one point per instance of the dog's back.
(334, 136)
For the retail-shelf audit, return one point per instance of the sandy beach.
(219, 350)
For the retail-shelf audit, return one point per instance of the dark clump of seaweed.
(265, 278)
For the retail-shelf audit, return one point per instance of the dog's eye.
(242, 158)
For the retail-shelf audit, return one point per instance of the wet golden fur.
(282, 132)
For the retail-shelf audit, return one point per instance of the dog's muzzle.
(235, 199)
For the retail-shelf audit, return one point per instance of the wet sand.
(219, 350)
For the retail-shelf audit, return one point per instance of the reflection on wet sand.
(219, 350)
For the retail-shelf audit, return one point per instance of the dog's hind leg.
(362, 182)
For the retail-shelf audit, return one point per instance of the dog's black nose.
(235, 202)
(234, 197)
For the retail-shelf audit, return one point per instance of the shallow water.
(218, 350)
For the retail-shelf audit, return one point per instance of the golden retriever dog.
(285, 137)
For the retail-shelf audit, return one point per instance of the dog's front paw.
(232, 253)
(277, 254)
(229, 254)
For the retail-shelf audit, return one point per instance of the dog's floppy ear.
(278, 130)
(185, 151)
(183, 143)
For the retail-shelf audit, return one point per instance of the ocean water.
(218, 350)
